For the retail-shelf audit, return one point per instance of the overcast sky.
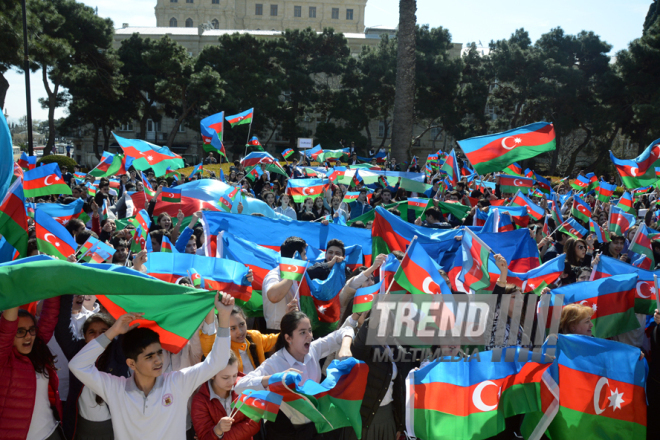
(616, 21)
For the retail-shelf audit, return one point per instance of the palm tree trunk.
(404, 98)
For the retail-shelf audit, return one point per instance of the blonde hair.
(571, 315)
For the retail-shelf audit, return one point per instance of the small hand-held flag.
(196, 279)
(257, 405)
(241, 118)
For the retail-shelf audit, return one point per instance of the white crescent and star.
(46, 179)
(518, 182)
(633, 171)
(599, 386)
(516, 140)
(56, 243)
(369, 297)
(311, 191)
(291, 269)
(639, 290)
(476, 396)
(426, 285)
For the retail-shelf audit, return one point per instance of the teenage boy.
(150, 404)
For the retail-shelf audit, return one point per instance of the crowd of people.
(68, 370)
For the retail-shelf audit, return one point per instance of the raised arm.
(63, 335)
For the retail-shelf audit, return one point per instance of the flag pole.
(88, 251)
(295, 296)
(404, 256)
(249, 130)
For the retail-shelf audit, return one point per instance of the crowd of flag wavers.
(141, 302)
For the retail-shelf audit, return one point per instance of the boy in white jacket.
(150, 404)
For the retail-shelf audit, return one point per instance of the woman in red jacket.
(212, 405)
(30, 407)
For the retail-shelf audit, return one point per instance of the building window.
(215, 2)
(381, 129)
(312, 12)
(189, 1)
(189, 22)
(335, 13)
(182, 128)
(258, 9)
(173, 22)
(152, 126)
(215, 23)
(349, 14)
(273, 10)
(126, 127)
(297, 11)
(435, 133)
(174, 1)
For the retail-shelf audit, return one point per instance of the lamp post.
(26, 67)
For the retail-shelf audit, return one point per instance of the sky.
(616, 21)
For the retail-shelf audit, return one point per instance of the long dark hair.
(40, 356)
(251, 346)
(288, 325)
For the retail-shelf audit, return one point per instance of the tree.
(11, 36)
(141, 80)
(474, 89)
(183, 87)
(404, 99)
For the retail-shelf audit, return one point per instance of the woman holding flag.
(297, 351)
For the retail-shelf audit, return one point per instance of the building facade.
(274, 15)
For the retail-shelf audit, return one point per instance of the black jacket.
(71, 345)
(380, 376)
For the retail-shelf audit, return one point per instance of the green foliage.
(60, 160)
(329, 136)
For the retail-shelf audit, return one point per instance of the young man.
(150, 404)
(334, 253)
(360, 206)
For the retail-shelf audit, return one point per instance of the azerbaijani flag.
(313, 153)
(511, 184)
(612, 299)
(418, 274)
(63, 214)
(257, 405)
(91, 188)
(142, 223)
(258, 158)
(332, 404)
(605, 191)
(45, 180)
(364, 297)
(544, 184)
(514, 170)
(581, 183)
(212, 130)
(199, 168)
(601, 236)
(27, 162)
(332, 155)
(495, 152)
(166, 246)
(474, 272)
(300, 189)
(581, 209)
(146, 186)
(146, 155)
(619, 222)
(287, 153)
(350, 197)
(226, 201)
(641, 243)
(254, 142)
(13, 219)
(292, 269)
(626, 203)
(418, 205)
(479, 396)
(573, 228)
(555, 210)
(196, 279)
(241, 118)
(534, 211)
(172, 195)
(95, 251)
(254, 173)
(53, 238)
(547, 273)
(454, 208)
(259, 259)
(450, 167)
(336, 173)
(639, 171)
(101, 170)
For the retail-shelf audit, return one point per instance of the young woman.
(86, 415)
(297, 350)
(211, 407)
(30, 406)
(285, 207)
(249, 346)
(306, 207)
(577, 252)
(576, 320)
(164, 222)
(318, 209)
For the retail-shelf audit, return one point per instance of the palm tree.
(404, 98)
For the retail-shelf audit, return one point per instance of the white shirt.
(310, 368)
(273, 312)
(247, 363)
(162, 413)
(78, 320)
(226, 402)
(90, 409)
(62, 366)
(289, 211)
(43, 422)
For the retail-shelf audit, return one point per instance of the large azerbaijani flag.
(474, 272)
(241, 118)
(601, 392)
(53, 238)
(639, 171)
(45, 180)
(332, 404)
(479, 395)
(612, 299)
(619, 222)
(212, 131)
(495, 152)
(511, 184)
(112, 164)
(146, 155)
(13, 219)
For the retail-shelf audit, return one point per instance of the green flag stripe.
(48, 249)
(515, 155)
(574, 424)
(58, 188)
(615, 324)
(13, 233)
